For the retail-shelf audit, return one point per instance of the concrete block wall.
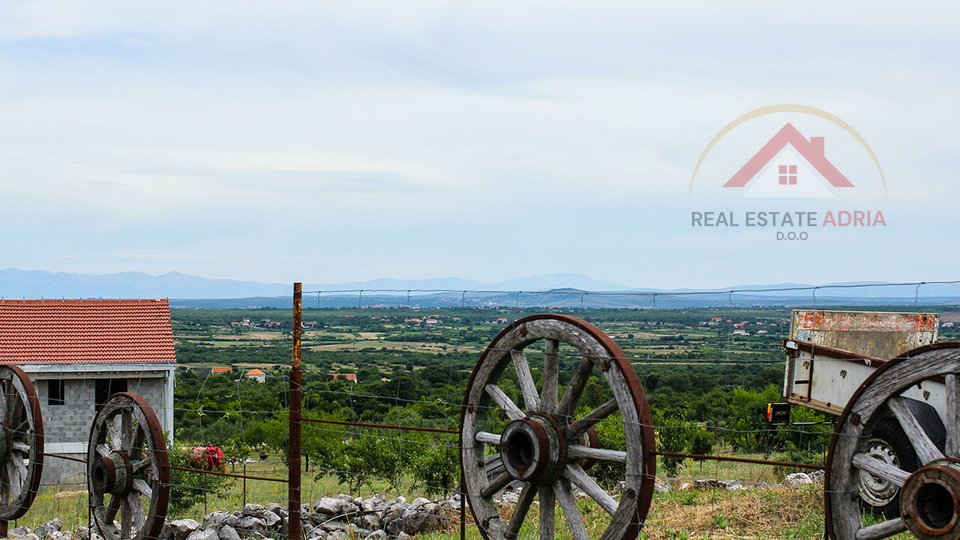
(71, 421)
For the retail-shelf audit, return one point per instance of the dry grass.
(771, 512)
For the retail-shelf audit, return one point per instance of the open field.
(702, 381)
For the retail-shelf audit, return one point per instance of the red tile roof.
(85, 331)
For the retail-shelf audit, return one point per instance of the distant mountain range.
(561, 290)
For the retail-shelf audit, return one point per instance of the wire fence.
(262, 466)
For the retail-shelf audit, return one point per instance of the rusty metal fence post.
(294, 531)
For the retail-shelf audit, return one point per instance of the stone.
(204, 534)
(708, 484)
(271, 519)
(281, 510)
(52, 526)
(419, 501)
(255, 510)
(228, 533)
(369, 521)
(404, 536)
(658, 485)
(20, 531)
(376, 535)
(421, 522)
(215, 520)
(799, 479)
(509, 498)
(817, 477)
(327, 505)
(332, 526)
(250, 522)
(182, 528)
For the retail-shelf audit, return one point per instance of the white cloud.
(485, 139)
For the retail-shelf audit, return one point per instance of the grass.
(761, 512)
(774, 512)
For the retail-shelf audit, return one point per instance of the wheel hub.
(876, 491)
(532, 450)
(112, 474)
(930, 501)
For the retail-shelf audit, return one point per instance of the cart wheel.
(541, 443)
(128, 472)
(887, 400)
(21, 443)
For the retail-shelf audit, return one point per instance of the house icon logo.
(789, 151)
(789, 165)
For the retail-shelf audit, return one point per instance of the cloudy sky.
(342, 141)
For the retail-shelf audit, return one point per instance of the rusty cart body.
(830, 354)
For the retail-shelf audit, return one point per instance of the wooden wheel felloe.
(128, 472)
(21, 443)
(540, 441)
(920, 394)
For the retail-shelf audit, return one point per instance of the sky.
(343, 141)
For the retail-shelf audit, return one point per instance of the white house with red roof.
(78, 353)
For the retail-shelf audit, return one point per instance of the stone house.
(79, 352)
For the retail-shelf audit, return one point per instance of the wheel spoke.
(569, 505)
(548, 503)
(12, 399)
(22, 474)
(520, 512)
(952, 415)
(575, 473)
(925, 449)
(11, 483)
(499, 482)
(140, 465)
(578, 428)
(506, 404)
(4, 407)
(137, 515)
(126, 429)
(125, 517)
(579, 381)
(578, 451)
(114, 432)
(139, 435)
(143, 487)
(551, 376)
(529, 388)
(880, 469)
(111, 513)
(882, 530)
(487, 438)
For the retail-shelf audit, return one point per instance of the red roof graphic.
(811, 150)
(85, 331)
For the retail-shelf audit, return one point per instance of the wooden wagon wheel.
(21, 443)
(929, 496)
(539, 440)
(128, 472)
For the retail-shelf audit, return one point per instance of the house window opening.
(788, 175)
(106, 388)
(55, 394)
